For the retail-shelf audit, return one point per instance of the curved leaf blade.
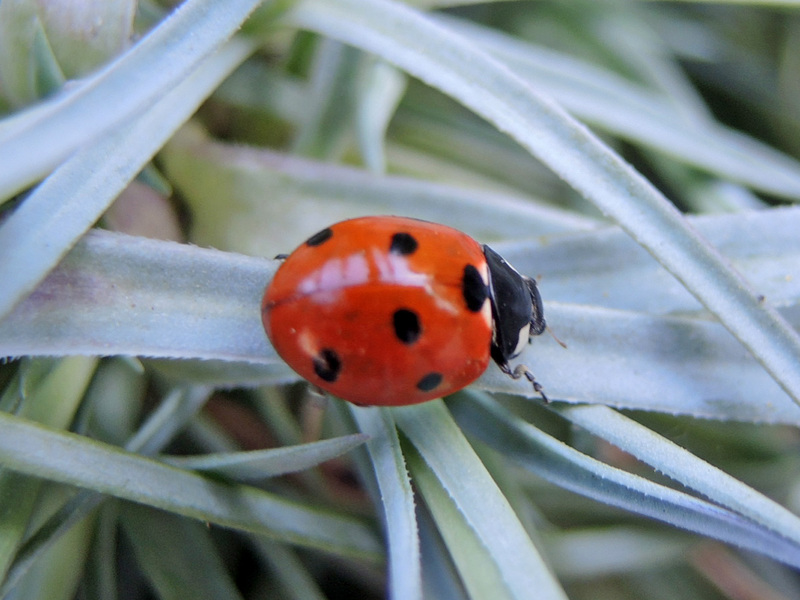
(76, 460)
(478, 500)
(568, 468)
(119, 91)
(261, 464)
(49, 222)
(397, 499)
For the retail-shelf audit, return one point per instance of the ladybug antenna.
(521, 370)
(555, 337)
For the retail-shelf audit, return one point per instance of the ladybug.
(393, 311)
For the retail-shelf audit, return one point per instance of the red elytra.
(393, 311)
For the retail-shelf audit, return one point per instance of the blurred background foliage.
(153, 446)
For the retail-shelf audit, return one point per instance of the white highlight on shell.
(307, 342)
(486, 309)
(335, 274)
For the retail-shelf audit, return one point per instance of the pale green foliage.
(269, 121)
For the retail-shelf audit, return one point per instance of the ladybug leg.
(521, 370)
(281, 257)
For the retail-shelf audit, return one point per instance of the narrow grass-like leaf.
(54, 401)
(315, 194)
(72, 459)
(434, 137)
(159, 428)
(503, 541)
(41, 231)
(631, 360)
(56, 397)
(606, 268)
(28, 66)
(633, 40)
(113, 404)
(681, 465)
(476, 571)
(440, 577)
(330, 111)
(17, 513)
(295, 580)
(223, 374)
(171, 416)
(568, 468)
(397, 498)
(120, 91)
(632, 112)
(135, 287)
(380, 89)
(100, 579)
(57, 575)
(79, 43)
(245, 87)
(180, 561)
(261, 464)
(445, 60)
(605, 551)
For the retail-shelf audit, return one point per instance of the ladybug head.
(516, 309)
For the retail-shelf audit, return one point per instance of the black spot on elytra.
(327, 365)
(473, 288)
(429, 382)
(407, 327)
(320, 237)
(403, 243)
